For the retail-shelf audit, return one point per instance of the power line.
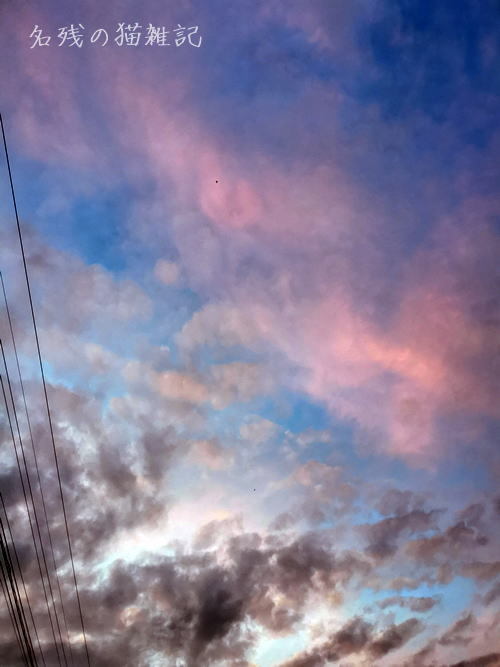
(30, 491)
(9, 568)
(12, 614)
(11, 536)
(29, 515)
(44, 506)
(44, 388)
(9, 578)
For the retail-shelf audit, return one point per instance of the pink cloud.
(210, 454)
(321, 240)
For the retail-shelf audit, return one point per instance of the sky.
(264, 259)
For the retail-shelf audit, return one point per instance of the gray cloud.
(358, 636)
(383, 535)
(416, 604)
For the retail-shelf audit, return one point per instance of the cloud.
(490, 660)
(214, 531)
(357, 636)
(457, 633)
(239, 381)
(467, 636)
(492, 595)
(395, 637)
(351, 269)
(416, 604)
(220, 324)
(458, 537)
(217, 384)
(201, 606)
(383, 535)
(181, 387)
(325, 482)
(482, 571)
(286, 228)
(166, 272)
(95, 303)
(209, 454)
(312, 436)
(257, 430)
(397, 502)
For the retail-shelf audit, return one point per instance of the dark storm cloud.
(193, 607)
(197, 610)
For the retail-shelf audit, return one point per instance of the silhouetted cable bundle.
(43, 627)
(10, 590)
(20, 574)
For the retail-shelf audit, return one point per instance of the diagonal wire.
(12, 614)
(29, 516)
(16, 606)
(30, 491)
(14, 583)
(9, 530)
(35, 457)
(44, 388)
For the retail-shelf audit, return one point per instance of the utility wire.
(9, 579)
(29, 516)
(12, 614)
(14, 582)
(44, 388)
(9, 567)
(30, 491)
(9, 530)
(28, 420)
